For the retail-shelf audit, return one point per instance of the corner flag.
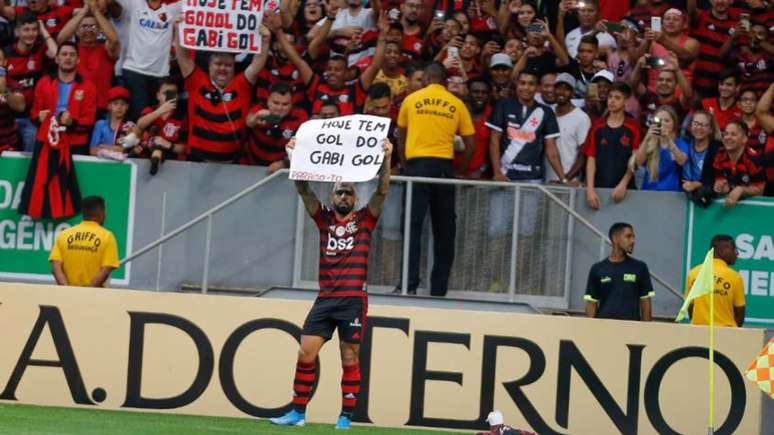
(760, 371)
(703, 285)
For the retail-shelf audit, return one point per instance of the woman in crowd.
(661, 153)
(703, 141)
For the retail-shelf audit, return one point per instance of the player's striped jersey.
(344, 247)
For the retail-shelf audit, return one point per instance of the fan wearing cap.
(595, 102)
(107, 131)
(574, 125)
(500, 67)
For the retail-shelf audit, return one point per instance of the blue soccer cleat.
(343, 422)
(292, 418)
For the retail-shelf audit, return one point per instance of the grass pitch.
(38, 420)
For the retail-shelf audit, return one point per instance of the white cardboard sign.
(223, 25)
(348, 148)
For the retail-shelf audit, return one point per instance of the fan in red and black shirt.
(333, 88)
(26, 58)
(280, 70)
(11, 104)
(738, 173)
(609, 146)
(271, 126)
(53, 17)
(163, 128)
(714, 29)
(218, 102)
(97, 58)
(345, 238)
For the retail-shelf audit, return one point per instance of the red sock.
(350, 388)
(302, 384)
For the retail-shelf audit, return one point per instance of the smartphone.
(744, 20)
(656, 122)
(272, 119)
(593, 90)
(170, 95)
(394, 14)
(453, 52)
(655, 62)
(655, 24)
(535, 28)
(581, 5)
(614, 27)
(439, 14)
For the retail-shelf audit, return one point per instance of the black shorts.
(347, 314)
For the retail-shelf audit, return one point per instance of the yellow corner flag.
(704, 284)
(760, 371)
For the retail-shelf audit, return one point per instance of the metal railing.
(208, 215)
(409, 182)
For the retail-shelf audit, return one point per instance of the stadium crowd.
(658, 95)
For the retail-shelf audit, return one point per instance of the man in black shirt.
(619, 286)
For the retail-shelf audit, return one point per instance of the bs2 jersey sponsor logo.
(570, 361)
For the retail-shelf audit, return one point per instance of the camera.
(170, 95)
(439, 14)
(655, 62)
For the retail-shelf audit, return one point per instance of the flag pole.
(712, 362)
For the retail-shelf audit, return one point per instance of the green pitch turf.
(38, 420)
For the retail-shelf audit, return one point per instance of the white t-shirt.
(573, 128)
(150, 37)
(572, 41)
(364, 19)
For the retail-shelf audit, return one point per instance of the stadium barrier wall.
(227, 356)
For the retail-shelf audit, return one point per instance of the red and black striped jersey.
(711, 32)
(54, 18)
(349, 98)
(26, 69)
(216, 117)
(412, 47)
(266, 144)
(757, 71)
(277, 71)
(344, 247)
(746, 171)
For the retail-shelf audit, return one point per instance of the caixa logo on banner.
(570, 361)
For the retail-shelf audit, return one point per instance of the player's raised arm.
(376, 203)
(311, 203)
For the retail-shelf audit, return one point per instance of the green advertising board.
(751, 224)
(26, 243)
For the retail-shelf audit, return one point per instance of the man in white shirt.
(574, 125)
(355, 19)
(147, 55)
(588, 16)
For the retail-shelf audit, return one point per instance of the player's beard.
(343, 209)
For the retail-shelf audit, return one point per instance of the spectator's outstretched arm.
(51, 46)
(288, 11)
(304, 69)
(686, 53)
(552, 154)
(183, 55)
(58, 271)
(562, 58)
(561, 35)
(259, 60)
(71, 27)
(369, 74)
(637, 76)
(112, 43)
(503, 18)
(320, 37)
(763, 110)
(376, 203)
(146, 121)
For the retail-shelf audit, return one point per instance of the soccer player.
(345, 237)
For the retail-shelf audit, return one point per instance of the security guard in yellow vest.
(86, 254)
